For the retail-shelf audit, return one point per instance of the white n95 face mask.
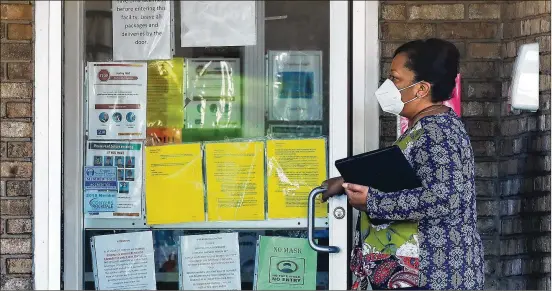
(389, 97)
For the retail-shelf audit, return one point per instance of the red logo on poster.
(103, 75)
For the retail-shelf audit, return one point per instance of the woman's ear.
(424, 89)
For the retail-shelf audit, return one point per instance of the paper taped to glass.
(213, 90)
(123, 261)
(294, 168)
(295, 85)
(117, 97)
(235, 180)
(165, 112)
(174, 184)
(141, 30)
(127, 158)
(217, 23)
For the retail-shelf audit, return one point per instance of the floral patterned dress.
(424, 238)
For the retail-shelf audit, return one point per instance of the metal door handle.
(310, 223)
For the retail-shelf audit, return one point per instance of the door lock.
(339, 212)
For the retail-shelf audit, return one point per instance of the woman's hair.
(434, 61)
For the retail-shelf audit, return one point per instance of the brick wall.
(16, 148)
(524, 166)
(512, 150)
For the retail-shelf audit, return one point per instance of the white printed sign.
(210, 262)
(117, 97)
(141, 30)
(123, 261)
(217, 23)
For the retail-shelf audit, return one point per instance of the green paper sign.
(285, 264)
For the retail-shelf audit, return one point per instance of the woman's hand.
(357, 195)
(334, 187)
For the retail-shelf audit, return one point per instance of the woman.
(424, 238)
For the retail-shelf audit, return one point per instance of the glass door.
(283, 86)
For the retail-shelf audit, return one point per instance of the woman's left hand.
(357, 195)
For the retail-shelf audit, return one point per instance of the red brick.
(480, 108)
(544, 43)
(545, 24)
(2, 30)
(16, 90)
(484, 50)
(545, 64)
(20, 149)
(15, 246)
(457, 30)
(477, 90)
(19, 110)
(16, 283)
(19, 266)
(19, 226)
(3, 149)
(388, 48)
(16, 129)
(437, 12)
(479, 69)
(16, 12)
(16, 51)
(480, 128)
(20, 71)
(16, 169)
(19, 31)
(17, 188)
(484, 11)
(407, 31)
(15, 207)
(2, 71)
(393, 12)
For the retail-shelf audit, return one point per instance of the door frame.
(47, 145)
(338, 136)
(365, 125)
(365, 78)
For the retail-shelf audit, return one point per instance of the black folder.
(385, 169)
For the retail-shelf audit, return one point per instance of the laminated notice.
(235, 180)
(117, 100)
(295, 86)
(295, 167)
(165, 93)
(165, 113)
(127, 158)
(213, 93)
(174, 184)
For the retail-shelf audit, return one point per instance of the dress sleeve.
(437, 162)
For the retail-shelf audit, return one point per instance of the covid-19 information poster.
(117, 97)
(126, 157)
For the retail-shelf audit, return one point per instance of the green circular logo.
(287, 267)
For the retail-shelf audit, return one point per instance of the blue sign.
(100, 178)
(100, 201)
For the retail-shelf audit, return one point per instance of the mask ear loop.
(416, 97)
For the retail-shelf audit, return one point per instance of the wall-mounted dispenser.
(524, 90)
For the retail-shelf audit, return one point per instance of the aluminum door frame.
(73, 140)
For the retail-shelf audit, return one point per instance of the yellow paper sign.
(174, 184)
(295, 167)
(235, 181)
(166, 94)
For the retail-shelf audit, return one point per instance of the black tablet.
(385, 169)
